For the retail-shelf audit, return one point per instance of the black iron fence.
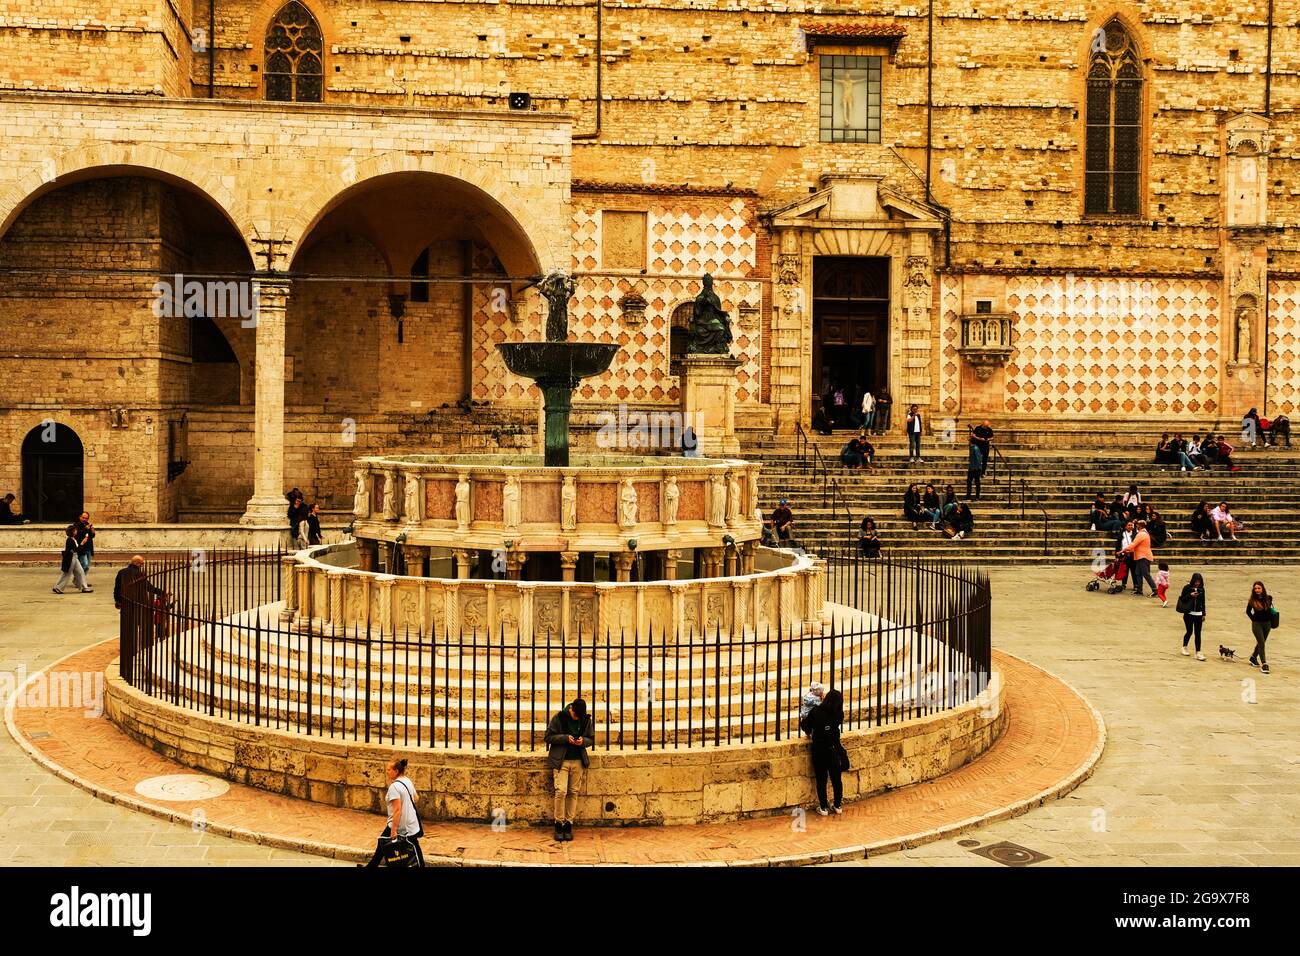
(906, 637)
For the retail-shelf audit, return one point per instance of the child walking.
(1162, 583)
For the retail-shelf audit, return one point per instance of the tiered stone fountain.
(453, 528)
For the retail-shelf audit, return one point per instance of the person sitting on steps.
(868, 538)
(932, 507)
(912, 509)
(961, 520)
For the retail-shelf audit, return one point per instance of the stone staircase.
(490, 696)
(1032, 494)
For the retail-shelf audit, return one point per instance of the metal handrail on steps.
(1024, 485)
(830, 484)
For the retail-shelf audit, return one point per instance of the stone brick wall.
(130, 46)
(622, 787)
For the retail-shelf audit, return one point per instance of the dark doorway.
(53, 466)
(850, 328)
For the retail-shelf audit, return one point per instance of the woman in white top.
(403, 821)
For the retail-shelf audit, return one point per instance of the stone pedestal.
(708, 402)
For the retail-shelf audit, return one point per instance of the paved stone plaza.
(1192, 774)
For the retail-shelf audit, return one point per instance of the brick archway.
(111, 160)
(537, 250)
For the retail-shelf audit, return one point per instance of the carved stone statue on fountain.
(710, 331)
(557, 288)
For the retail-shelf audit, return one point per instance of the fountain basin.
(557, 361)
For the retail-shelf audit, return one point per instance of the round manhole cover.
(1011, 855)
(968, 843)
(182, 786)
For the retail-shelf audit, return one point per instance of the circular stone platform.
(1052, 740)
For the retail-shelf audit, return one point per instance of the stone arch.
(1131, 19)
(853, 242)
(538, 251)
(118, 159)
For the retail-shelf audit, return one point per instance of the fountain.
(557, 365)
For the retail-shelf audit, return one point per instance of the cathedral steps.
(1058, 488)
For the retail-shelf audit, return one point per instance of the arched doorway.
(53, 472)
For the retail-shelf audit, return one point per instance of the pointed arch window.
(294, 56)
(1113, 141)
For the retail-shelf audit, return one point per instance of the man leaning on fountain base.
(569, 734)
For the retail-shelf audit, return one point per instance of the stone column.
(267, 507)
(289, 587)
(384, 599)
(789, 339)
(306, 606)
(462, 563)
(515, 564)
(568, 565)
(671, 557)
(623, 565)
(415, 555)
(336, 604)
(730, 559)
(526, 603)
(677, 593)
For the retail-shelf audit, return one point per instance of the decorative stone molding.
(788, 595)
(986, 342)
(747, 316)
(595, 505)
(633, 306)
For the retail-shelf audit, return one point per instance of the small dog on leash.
(1227, 653)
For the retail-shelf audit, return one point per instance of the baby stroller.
(1115, 573)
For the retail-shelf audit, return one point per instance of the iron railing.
(907, 637)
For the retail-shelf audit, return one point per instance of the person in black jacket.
(912, 510)
(71, 563)
(823, 725)
(1259, 608)
(1191, 604)
(297, 510)
(868, 538)
(132, 585)
(313, 524)
(7, 513)
(1158, 530)
(568, 735)
(961, 520)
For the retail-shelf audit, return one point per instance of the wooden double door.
(850, 333)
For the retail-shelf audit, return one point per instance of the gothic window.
(294, 56)
(1114, 124)
(850, 99)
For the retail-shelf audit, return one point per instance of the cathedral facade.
(243, 243)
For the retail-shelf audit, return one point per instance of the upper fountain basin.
(574, 360)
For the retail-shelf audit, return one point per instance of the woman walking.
(1191, 605)
(1260, 611)
(403, 821)
(823, 725)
